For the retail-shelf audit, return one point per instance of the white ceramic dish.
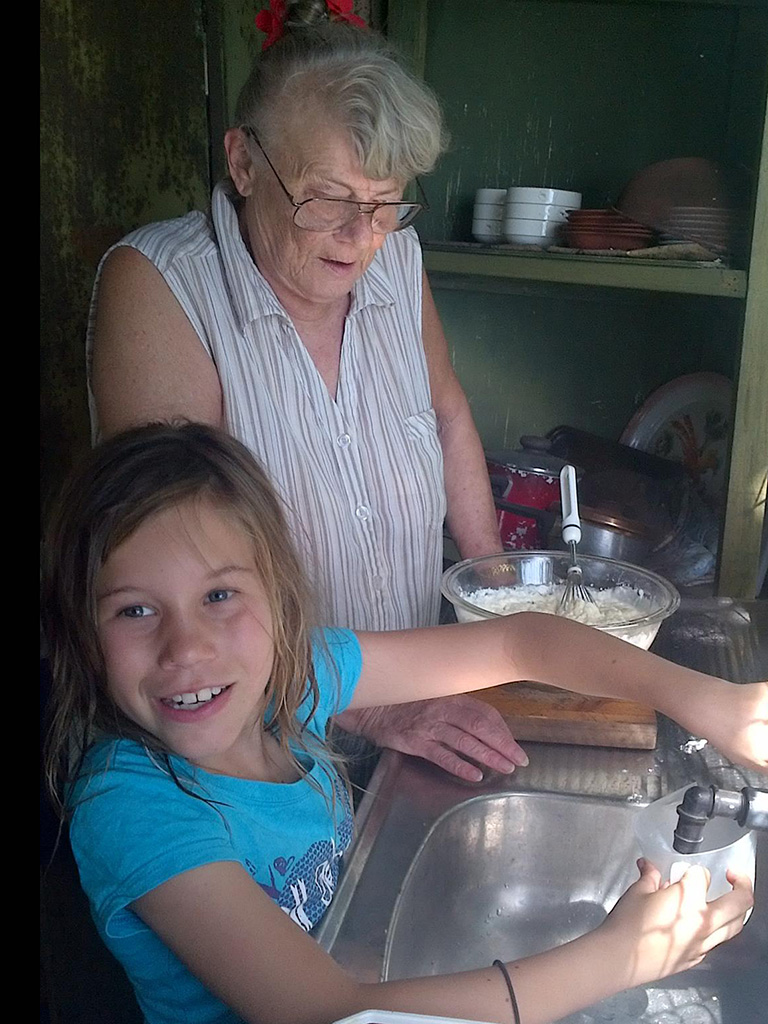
(688, 420)
(490, 195)
(516, 238)
(523, 226)
(488, 211)
(487, 236)
(560, 196)
(537, 211)
(493, 227)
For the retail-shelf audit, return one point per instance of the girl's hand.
(659, 929)
(735, 719)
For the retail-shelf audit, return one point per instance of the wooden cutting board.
(547, 715)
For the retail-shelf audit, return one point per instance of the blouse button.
(362, 512)
(343, 440)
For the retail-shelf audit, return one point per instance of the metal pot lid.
(613, 516)
(533, 457)
(623, 500)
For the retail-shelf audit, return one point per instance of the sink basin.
(446, 876)
(514, 874)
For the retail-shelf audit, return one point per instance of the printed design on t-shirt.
(303, 887)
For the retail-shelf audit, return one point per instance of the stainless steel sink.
(512, 875)
(445, 875)
(509, 875)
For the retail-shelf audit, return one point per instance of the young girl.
(208, 820)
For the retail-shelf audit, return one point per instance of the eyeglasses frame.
(247, 130)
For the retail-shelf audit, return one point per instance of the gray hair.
(393, 119)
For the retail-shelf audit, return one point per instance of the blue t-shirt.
(133, 828)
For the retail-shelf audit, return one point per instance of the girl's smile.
(186, 633)
(195, 707)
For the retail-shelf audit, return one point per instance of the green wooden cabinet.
(581, 94)
(124, 141)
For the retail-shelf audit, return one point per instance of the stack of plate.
(606, 229)
(720, 229)
(488, 214)
(536, 216)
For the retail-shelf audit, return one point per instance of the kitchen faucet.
(748, 807)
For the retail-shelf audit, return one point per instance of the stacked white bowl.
(488, 215)
(536, 216)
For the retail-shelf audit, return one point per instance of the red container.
(529, 477)
(582, 238)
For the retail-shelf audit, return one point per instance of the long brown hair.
(122, 483)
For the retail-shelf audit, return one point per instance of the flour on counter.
(692, 746)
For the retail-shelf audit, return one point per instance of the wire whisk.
(574, 589)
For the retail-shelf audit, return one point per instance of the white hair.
(393, 119)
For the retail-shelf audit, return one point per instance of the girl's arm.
(412, 664)
(244, 949)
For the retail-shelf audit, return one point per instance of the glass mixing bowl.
(632, 602)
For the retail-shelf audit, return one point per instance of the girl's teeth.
(180, 700)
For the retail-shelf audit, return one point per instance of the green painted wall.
(581, 95)
(124, 141)
(588, 359)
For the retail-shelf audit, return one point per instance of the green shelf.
(679, 3)
(468, 259)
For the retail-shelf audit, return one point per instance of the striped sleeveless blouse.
(362, 475)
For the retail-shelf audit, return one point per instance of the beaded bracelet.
(503, 968)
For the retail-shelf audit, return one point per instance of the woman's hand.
(659, 929)
(445, 731)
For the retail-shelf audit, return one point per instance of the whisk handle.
(569, 505)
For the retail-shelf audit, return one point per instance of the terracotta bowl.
(603, 218)
(682, 182)
(583, 238)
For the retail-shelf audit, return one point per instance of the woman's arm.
(246, 951)
(471, 514)
(148, 362)
(417, 664)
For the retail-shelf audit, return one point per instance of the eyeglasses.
(332, 214)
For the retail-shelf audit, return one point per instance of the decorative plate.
(688, 420)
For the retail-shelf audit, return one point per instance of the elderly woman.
(297, 315)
